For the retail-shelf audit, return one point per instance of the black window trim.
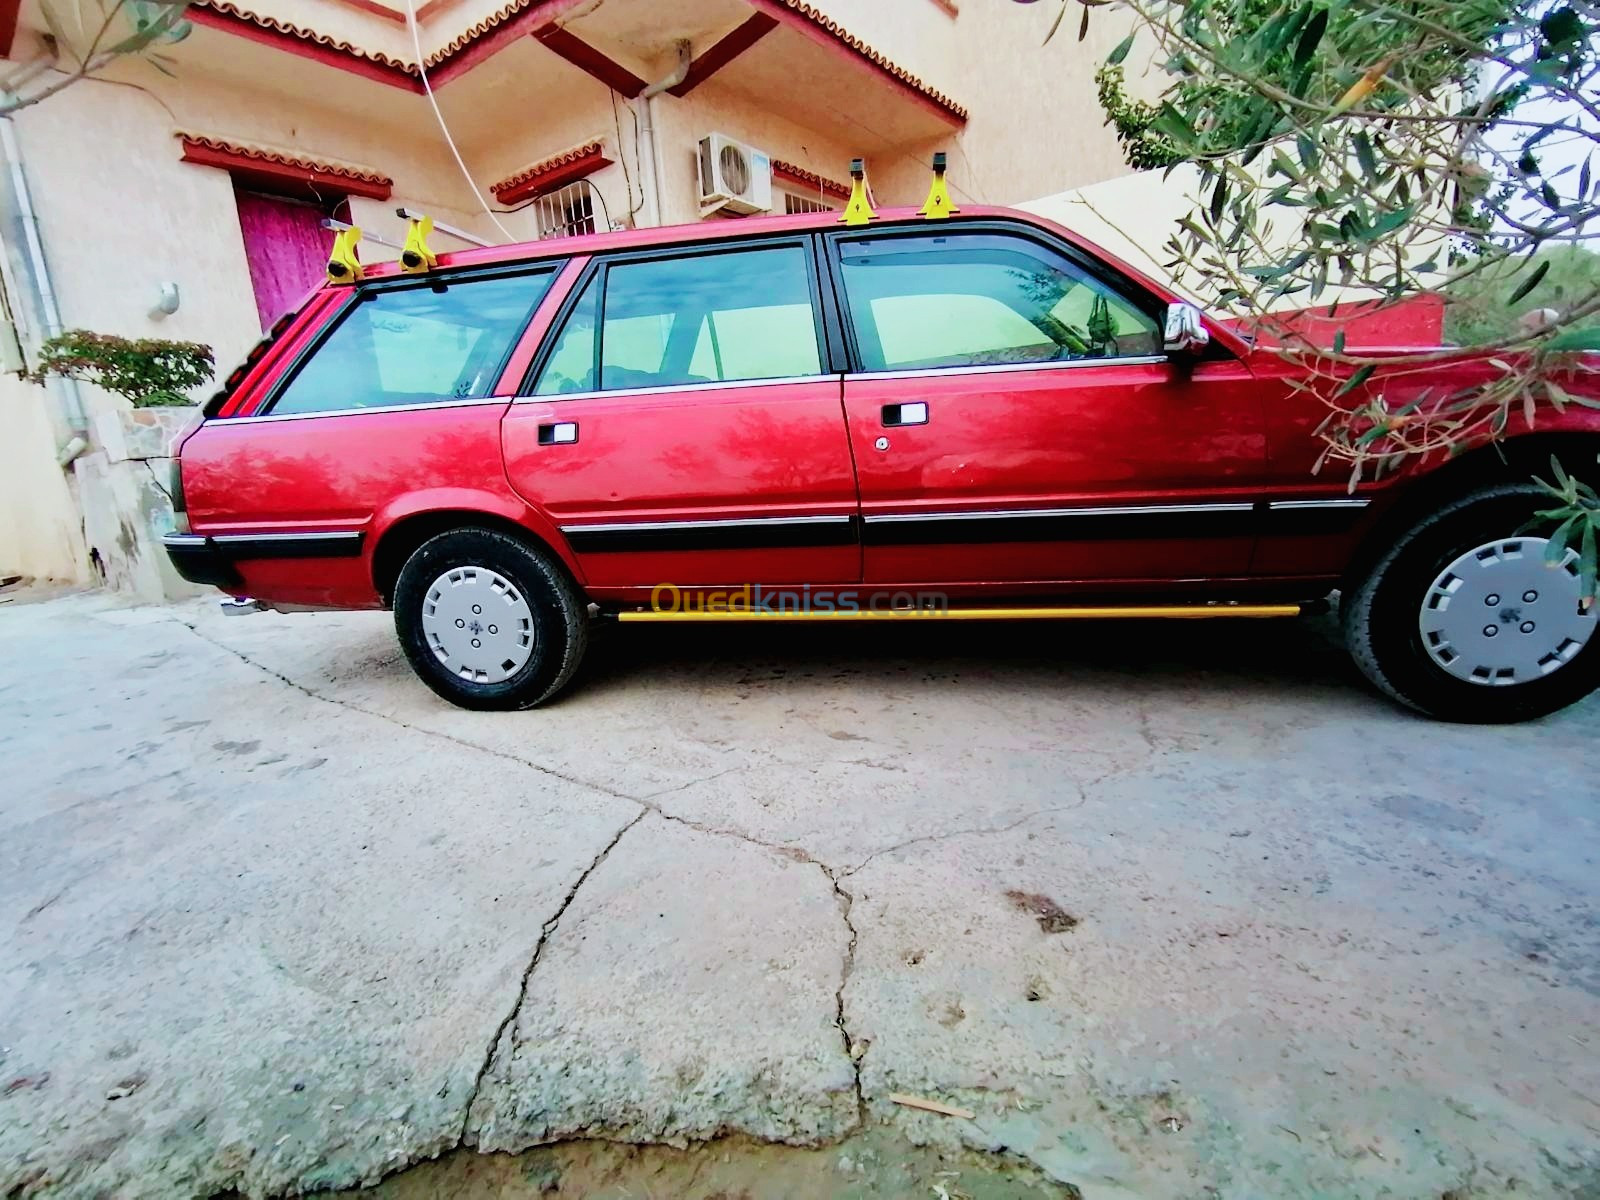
(1137, 295)
(371, 289)
(824, 314)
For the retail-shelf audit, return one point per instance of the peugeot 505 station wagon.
(985, 408)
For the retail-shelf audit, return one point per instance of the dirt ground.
(873, 1165)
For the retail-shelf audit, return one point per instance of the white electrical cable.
(416, 42)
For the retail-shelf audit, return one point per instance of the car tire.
(1399, 628)
(488, 621)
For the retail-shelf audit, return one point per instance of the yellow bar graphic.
(1174, 612)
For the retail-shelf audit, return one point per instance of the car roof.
(686, 235)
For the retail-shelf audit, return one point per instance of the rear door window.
(417, 345)
(703, 318)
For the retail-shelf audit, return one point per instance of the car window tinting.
(982, 299)
(416, 345)
(707, 318)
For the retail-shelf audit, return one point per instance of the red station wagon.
(984, 408)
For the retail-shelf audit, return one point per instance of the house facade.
(188, 201)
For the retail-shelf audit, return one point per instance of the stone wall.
(124, 488)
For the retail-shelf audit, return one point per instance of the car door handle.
(558, 433)
(905, 414)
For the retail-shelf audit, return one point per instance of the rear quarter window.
(421, 344)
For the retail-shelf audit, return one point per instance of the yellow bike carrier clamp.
(416, 258)
(859, 210)
(343, 265)
(938, 205)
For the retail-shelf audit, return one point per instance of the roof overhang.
(606, 42)
(280, 171)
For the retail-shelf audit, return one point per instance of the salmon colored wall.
(1035, 126)
(120, 215)
(40, 534)
(714, 108)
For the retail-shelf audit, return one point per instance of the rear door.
(682, 425)
(1014, 419)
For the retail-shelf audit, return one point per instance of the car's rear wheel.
(1464, 620)
(488, 621)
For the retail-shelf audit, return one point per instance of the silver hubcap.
(1500, 615)
(478, 624)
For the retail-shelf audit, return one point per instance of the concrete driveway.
(1168, 908)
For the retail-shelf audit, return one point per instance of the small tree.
(150, 372)
(1379, 148)
(90, 41)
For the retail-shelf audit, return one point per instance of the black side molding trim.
(210, 560)
(1062, 526)
(194, 558)
(290, 545)
(757, 534)
(1229, 519)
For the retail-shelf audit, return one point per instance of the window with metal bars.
(804, 204)
(568, 211)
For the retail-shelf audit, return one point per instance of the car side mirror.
(1185, 333)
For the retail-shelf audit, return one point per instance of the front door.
(682, 428)
(1014, 420)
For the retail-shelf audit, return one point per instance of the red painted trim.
(474, 47)
(332, 56)
(377, 10)
(483, 40)
(311, 178)
(524, 186)
(806, 181)
(10, 10)
(589, 60)
(831, 38)
(756, 27)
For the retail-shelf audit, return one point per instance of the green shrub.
(148, 372)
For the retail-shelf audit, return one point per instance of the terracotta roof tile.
(876, 57)
(475, 31)
(511, 183)
(800, 175)
(280, 159)
(304, 33)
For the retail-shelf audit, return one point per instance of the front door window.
(983, 300)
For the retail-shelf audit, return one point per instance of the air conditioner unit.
(733, 176)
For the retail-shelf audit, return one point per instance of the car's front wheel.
(1464, 620)
(488, 621)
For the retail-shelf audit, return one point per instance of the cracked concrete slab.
(247, 940)
(1297, 992)
(1300, 943)
(689, 991)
